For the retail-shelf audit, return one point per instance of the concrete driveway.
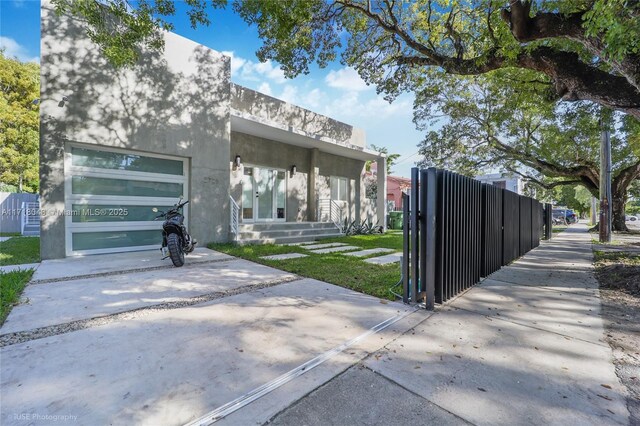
(124, 339)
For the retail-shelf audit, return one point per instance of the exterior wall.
(173, 103)
(333, 165)
(511, 183)
(395, 187)
(268, 109)
(258, 151)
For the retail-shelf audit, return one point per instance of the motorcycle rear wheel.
(175, 250)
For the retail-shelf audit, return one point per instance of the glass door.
(263, 194)
(264, 184)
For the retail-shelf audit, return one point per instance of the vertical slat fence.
(458, 230)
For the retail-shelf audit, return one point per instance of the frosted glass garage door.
(110, 196)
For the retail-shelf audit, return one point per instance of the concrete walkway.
(525, 347)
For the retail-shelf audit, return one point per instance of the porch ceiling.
(251, 125)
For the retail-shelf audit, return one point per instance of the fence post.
(405, 248)
(429, 203)
(548, 221)
(415, 233)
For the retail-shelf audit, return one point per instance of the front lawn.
(19, 250)
(11, 286)
(335, 268)
(388, 240)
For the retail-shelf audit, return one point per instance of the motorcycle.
(176, 241)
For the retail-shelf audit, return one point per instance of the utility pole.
(605, 183)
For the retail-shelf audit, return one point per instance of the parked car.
(566, 216)
(632, 218)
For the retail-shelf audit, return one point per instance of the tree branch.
(544, 185)
(625, 177)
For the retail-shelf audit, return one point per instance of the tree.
(492, 124)
(576, 49)
(19, 121)
(574, 197)
(391, 158)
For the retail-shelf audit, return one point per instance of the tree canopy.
(19, 122)
(575, 49)
(494, 125)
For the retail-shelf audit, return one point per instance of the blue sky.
(336, 91)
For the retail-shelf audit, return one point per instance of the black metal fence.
(462, 230)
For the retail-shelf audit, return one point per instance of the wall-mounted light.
(294, 170)
(237, 162)
(63, 101)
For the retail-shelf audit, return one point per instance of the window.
(338, 188)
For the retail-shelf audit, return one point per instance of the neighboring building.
(502, 180)
(129, 140)
(396, 186)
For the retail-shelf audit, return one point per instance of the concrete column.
(312, 191)
(381, 203)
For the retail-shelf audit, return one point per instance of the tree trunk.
(618, 204)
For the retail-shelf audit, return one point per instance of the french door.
(263, 194)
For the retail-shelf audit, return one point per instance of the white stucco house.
(507, 181)
(254, 168)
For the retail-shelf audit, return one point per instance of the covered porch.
(294, 174)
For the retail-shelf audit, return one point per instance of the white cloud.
(265, 88)
(254, 71)
(289, 94)
(236, 62)
(314, 98)
(346, 79)
(13, 49)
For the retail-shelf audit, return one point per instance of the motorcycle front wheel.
(175, 250)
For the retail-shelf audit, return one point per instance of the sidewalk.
(523, 347)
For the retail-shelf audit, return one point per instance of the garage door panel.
(115, 239)
(102, 159)
(83, 213)
(110, 196)
(124, 187)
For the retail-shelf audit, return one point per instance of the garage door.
(110, 194)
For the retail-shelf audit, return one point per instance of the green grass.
(11, 286)
(559, 228)
(334, 268)
(9, 234)
(603, 258)
(388, 240)
(19, 250)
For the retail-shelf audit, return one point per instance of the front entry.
(263, 194)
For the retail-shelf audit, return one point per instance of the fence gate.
(458, 230)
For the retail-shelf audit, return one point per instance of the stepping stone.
(385, 260)
(321, 246)
(364, 253)
(304, 243)
(284, 256)
(335, 249)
